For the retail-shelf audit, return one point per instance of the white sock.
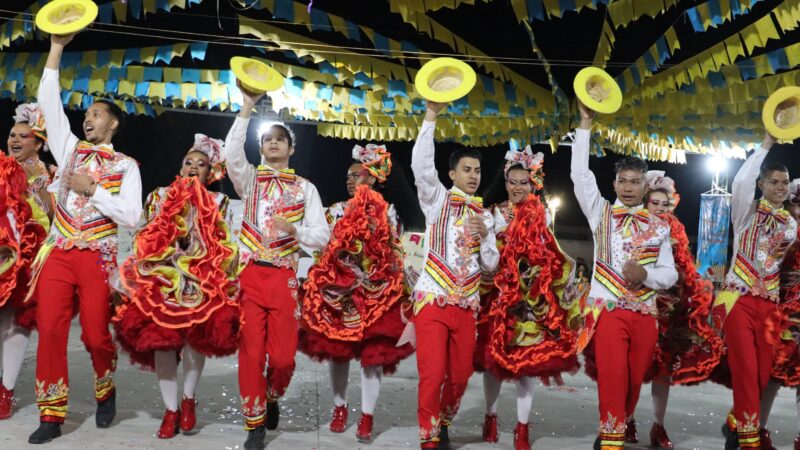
(193, 363)
(659, 390)
(14, 345)
(797, 406)
(491, 391)
(370, 388)
(167, 374)
(339, 372)
(524, 398)
(767, 399)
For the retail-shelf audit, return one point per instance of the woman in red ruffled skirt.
(179, 285)
(354, 298)
(688, 347)
(528, 324)
(24, 221)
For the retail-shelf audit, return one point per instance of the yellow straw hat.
(597, 90)
(781, 113)
(66, 16)
(443, 80)
(256, 76)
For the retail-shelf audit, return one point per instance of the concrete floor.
(564, 418)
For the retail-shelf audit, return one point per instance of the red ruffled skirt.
(140, 336)
(688, 346)
(532, 325)
(24, 312)
(378, 347)
(159, 273)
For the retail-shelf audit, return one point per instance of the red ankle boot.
(188, 416)
(6, 401)
(797, 442)
(364, 430)
(631, 435)
(339, 420)
(521, 441)
(490, 428)
(658, 437)
(766, 439)
(170, 424)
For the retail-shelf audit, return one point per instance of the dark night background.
(160, 143)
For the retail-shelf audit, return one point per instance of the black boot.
(273, 415)
(597, 443)
(106, 411)
(255, 439)
(444, 438)
(46, 432)
(731, 437)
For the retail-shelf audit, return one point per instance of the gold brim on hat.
(61, 17)
(444, 80)
(597, 90)
(781, 113)
(256, 76)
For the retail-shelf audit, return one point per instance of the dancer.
(688, 348)
(23, 227)
(99, 189)
(281, 211)
(787, 351)
(633, 260)
(747, 308)
(528, 325)
(460, 243)
(353, 297)
(25, 141)
(194, 314)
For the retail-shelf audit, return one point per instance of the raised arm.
(240, 171)
(59, 136)
(430, 190)
(743, 189)
(583, 179)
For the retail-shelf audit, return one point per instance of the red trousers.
(625, 342)
(65, 273)
(446, 341)
(750, 355)
(269, 314)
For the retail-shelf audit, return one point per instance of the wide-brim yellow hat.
(66, 16)
(444, 80)
(256, 76)
(597, 90)
(781, 113)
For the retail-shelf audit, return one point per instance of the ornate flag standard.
(712, 235)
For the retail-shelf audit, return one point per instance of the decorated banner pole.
(712, 235)
(712, 231)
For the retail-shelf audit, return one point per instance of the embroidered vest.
(76, 222)
(644, 246)
(458, 280)
(762, 246)
(280, 194)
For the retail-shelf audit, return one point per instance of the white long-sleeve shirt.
(454, 259)
(118, 195)
(268, 193)
(618, 238)
(761, 235)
